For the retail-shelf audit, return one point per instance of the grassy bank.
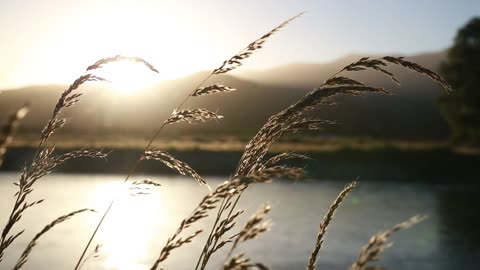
(390, 163)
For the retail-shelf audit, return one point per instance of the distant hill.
(410, 113)
(309, 75)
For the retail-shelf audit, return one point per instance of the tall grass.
(253, 167)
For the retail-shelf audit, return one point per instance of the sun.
(127, 77)
(170, 43)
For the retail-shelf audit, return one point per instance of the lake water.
(138, 227)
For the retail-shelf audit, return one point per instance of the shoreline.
(388, 164)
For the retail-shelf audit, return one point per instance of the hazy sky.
(52, 41)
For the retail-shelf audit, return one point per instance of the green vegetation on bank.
(462, 70)
(389, 163)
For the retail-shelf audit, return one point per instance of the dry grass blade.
(192, 116)
(171, 245)
(326, 221)
(9, 129)
(46, 163)
(419, 69)
(307, 125)
(94, 254)
(67, 99)
(89, 153)
(173, 163)
(378, 243)
(291, 119)
(239, 262)
(322, 96)
(215, 242)
(208, 203)
(42, 165)
(282, 157)
(225, 226)
(340, 80)
(366, 63)
(254, 227)
(237, 59)
(380, 64)
(288, 120)
(211, 89)
(100, 63)
(230, 189)
(267, 174)
(24, 257)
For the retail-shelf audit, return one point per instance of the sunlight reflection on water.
(128, 215)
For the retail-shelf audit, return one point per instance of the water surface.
(139, 226)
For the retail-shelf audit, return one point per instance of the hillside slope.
(409, 113)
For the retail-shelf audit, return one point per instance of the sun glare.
(163, 40)
(127, 78)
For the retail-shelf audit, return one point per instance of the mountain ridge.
(259, 95)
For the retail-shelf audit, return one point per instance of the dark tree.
(462, 70)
